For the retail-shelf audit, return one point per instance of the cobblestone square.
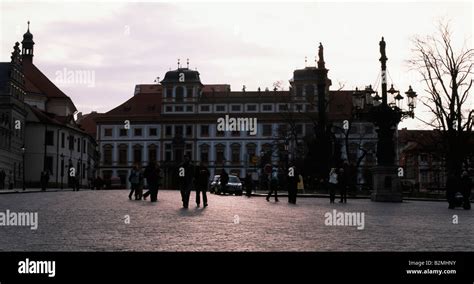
(96, 221)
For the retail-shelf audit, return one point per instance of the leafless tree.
(447, 73)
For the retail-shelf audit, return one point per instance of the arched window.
(179, 93)
(107, 154)
(251, 151)
(220, 156)
(204, 153)
(152, 153)
(309, 90)
(235, 157)
(122, 154)
(137, 154)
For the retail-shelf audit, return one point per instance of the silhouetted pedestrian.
(342, 183)
(152, 175)
(202, 181)
(466, 187)
(452, 185)
(249, 186)
(44, 180)
(273, 185)
(224, 180)
(185, 179)
(332, 185)
(136, 183)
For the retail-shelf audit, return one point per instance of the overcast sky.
(123, 43)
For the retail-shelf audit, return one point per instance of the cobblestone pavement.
(96, 221)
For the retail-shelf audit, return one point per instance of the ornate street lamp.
(385, 115)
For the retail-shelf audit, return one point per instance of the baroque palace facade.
(179, 115)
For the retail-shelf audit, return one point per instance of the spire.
(305, 61)
(321, 57)
(27, 45)
(187, 63)
(178, 63)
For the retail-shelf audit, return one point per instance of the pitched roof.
(37, 81)
(87, 123)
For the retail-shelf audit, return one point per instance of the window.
(235, 157)
(63, 140)
(179, 108)
(251, 107)
(179, 93)
(167, 93)
(299, 107)
(152, 153)
(168, 130)
(123, 132)
(267, 130)
(299, 91)
(107, 132)
(137, 132)
(189, 109)
(178, 131)
(219, 133)
(169, 109)
(189, 130)
(107, 155)
(79, 145)
(235, 133)
(220, 154)
(369, 129)
(204, 153)
(353, 129)
(137, 154)
(283, 107)
(299, 129)
(267, 107)
(309, 90)
(205, 108)
(205, 130)
(235, 108)
(71, 142)
(122, 153)
(49, 139)
(220, 108)
(251, 152)
(189, 93)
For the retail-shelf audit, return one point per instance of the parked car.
(234, 186)
(114, 183)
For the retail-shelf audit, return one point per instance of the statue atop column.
(321, 57)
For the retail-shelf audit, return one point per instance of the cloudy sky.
(125, 43)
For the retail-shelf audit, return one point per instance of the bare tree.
(447, 74)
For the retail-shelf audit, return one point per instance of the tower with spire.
(27, 45)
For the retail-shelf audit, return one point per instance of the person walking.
(136, 183)
(152, 175)
(224, 180)
(44, 180)
(332, 185)
(273, 185)
(202, 181)
(185, 178)
(249, 186)
(342, 182)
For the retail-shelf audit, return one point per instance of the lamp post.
(23, 149)
(385, 115)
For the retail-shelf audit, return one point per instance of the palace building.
(179, 115)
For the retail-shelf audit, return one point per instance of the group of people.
(137, 177)
(279, 178)
(190, 176)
